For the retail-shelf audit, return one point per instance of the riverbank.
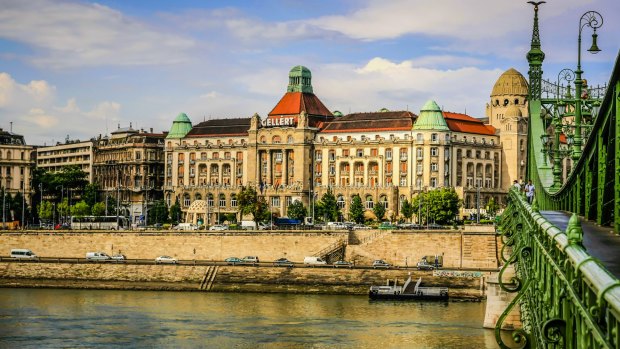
(228, 278)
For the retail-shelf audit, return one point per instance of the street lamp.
(593, 20)
(62, 191)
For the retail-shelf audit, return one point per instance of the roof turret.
(431, 118)
(299, 79)
(511, 82)
(180, 126)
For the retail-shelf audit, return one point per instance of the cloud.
(34, 109)
(69, 34)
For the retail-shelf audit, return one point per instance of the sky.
(79, 69)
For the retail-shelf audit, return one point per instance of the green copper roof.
(180, 126)
(431, 118)
(299, 80)
(337, 113)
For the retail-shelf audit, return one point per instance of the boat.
(408, 291)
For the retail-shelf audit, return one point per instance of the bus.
(100, 222)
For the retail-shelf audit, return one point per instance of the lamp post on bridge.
(593, 20)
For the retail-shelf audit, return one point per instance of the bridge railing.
(567, 298)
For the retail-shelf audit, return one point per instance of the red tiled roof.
(465, 123)
(293, 103)
(375, 121)
(221, 127)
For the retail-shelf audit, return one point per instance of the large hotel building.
(301, 149)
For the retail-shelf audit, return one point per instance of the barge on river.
(408, 292)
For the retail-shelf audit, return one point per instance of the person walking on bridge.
(529, 191)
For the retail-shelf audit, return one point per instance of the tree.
(327, 207)
(98, 209)
(250, 203)
(379, 210)
(90, 194)
(439, 205)
(63, 208)
(407, 210)
(71, 177)
(175, 211)
(356, 210)
(492, 207)
(297, 210)
(80, 209)
(158, 213)
(45, 210)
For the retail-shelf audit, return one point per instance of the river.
(62, 318)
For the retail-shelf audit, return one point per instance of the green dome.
(431, 118)
(384, 110)
(337, 113)
(180, 126)
(299, 79)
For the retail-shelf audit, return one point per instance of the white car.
(165, 260)
(219, 227)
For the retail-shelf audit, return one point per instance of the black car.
(282, 262)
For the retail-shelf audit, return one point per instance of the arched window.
(186, 200)
(210, 199)
(276, 140)
(384, 201)
(419, 137)
(289, 140)
(222, 200)
(233, 200)
(340, 201)
(263, 139)
(369, 203)
(198, 196)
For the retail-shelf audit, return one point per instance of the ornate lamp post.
(593, 20)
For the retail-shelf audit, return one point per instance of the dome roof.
(300, 70)
(198, 206)
(513, 110)
(337, 113)
(180, 126)
(431, 118)
(511, 82)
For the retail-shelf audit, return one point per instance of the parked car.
(166, 260)
(336, 226)
(343, 264)
(435, 226)
(22, 253)
(118, 257)
(424, 265)
(379, 263)
(360, 227)
(219, 227)
(282, 262)
(387, 226)
(312, 260)
(233, 260)
(250, 260)
(97, 256)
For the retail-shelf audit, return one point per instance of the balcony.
(318, 174)
(373, 172)
(358, 172)
(191, 162)
(181, 162)
(403, 157)
(318, 158)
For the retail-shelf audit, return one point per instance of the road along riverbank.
(224, 278)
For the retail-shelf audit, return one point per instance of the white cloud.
(34, 110)
(70, 34)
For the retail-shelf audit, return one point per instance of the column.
(269, 167)
(285, 167)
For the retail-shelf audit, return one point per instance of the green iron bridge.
(562, 251)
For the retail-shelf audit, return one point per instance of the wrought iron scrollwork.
(554, 331)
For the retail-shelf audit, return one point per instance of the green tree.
(175, 211)
(63, 208)
(327, 207)
(439, 205)
(17, 204)
(297, 210)
(46, 210)
(158, 213)
(98, 209)
(249, 203)
(356, 210)
(90, 194)
(420, 207)
(379, 210)
(492, 207)
(407, 210)
(71, 177)
(80, 209)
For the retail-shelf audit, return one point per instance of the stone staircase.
(480, 251)
(207, 281)
(333, 252)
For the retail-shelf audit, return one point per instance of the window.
(289, 140)
(275, 201)
(434, 182)
(332, 155)
(288, 201)
(434, 138)
(276, 140)
(369, 203)
(340, 202)
(419, 137)
(186, 200)
(434, 151)
(419, 153)
(360, 153)
(374, 152)
(227, 155)
(222, 200)
(403, 153)
(403, 181)
(279, 157)
(318, 156)
(233, 200)
(210, 200)
(434, 167)
(345, 152)
(420, 168)
(388, 154)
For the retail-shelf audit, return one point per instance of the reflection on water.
(47, 318)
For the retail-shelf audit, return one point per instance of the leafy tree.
(16, 207)
(46, 210)
(63, 208)
(492, 207)
(231, 217)
(379, 210)
(98, 209)
(71, 177)
(250, 203)
(419, 207)
(297, 210)
(80, 209)
(439, 205)
(111, 204)
(356, 210)
(407, 210)
(175, 211)
(158, 213)
(90, 194)
(327, 207)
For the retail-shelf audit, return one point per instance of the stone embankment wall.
(222, 278)
(184, 245)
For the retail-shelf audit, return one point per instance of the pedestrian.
(516, 185)
(529, 191)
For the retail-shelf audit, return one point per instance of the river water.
(58, 318)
